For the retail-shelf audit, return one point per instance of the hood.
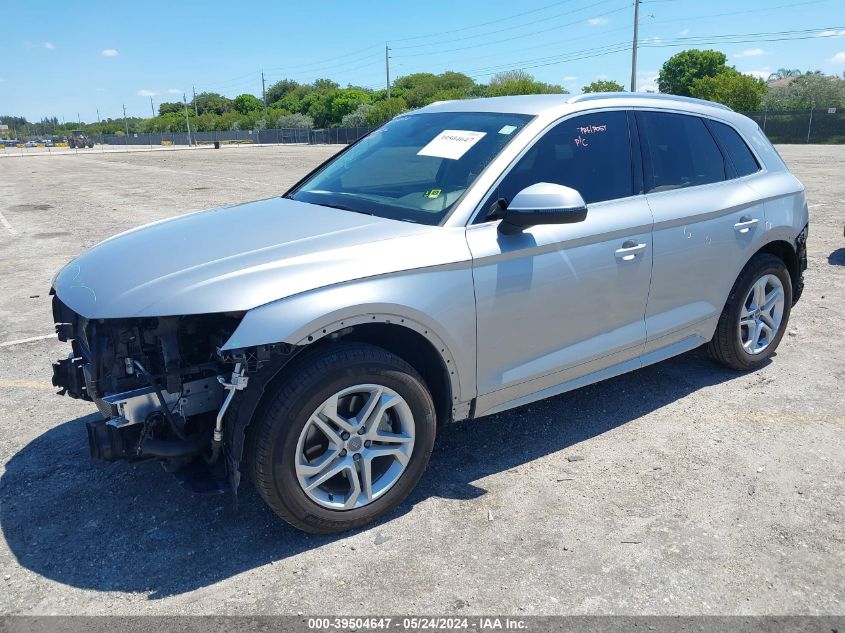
(234, 258)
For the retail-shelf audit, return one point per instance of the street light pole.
(264, 91)
(634, 47)
(387, 67)
(187, 121)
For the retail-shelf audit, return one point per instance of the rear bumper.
(801, 252)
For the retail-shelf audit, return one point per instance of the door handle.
(629, 251)
(745, 224)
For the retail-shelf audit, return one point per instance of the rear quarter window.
(735, 148)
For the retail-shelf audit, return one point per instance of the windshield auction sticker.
(451, 144)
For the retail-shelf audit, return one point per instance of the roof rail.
(595, 96)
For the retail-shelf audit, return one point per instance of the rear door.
(706, 218)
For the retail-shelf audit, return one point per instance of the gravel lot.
(682, 488)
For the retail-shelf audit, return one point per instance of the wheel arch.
(786, 252)
(414, 343)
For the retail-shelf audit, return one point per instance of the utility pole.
(387, 67)
(79, 119)
(634, 47)
(152, 107)
(125, 124)
(196, 112)
(264, 91)
(187, 122)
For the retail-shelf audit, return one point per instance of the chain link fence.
(335, 135)
(821, 125)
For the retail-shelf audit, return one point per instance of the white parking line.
(5, 223)
(27, 340)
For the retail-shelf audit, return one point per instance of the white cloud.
(832, 33)
(597, 21)
(109, 52)
(647, 81)
(750, 52)
(101, 90)
(49, 46)
(762, 73)
(839, 58)
(147, 93)
(684, 32)
(570, 78)
(174, 91)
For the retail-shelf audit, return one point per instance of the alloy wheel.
(761, 314)
(355, 447)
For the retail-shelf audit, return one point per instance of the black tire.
(726, 346)
(314, 378)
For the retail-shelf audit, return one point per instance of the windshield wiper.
(343, 207)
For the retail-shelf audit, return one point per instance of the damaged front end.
(163, 387)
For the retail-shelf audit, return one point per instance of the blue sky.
(62, 58)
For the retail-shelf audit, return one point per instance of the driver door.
(556, 303)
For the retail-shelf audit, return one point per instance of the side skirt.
(679, 347)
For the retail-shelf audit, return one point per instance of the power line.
(322, 61)
(681, 41)
(475, 26)
(518, 37)
(508, 28)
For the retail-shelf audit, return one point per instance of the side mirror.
(543, 203)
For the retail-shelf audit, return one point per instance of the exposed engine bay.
(163, 387)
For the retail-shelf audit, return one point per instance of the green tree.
(212, 102)
(247, 103)
(385, 110)
(737, 91)
(810, 90)
(325, 84)
(681, 71)
(420, 89)
(519, 82)
(358, 117)
(279, 89)
(168, 107)
(295, 120)
(344, 101)
(784, 73)
(603, 85)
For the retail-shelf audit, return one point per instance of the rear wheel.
(344, 439)
(755, 315)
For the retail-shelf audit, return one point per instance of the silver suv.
(463, 259)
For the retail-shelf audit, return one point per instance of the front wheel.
(755, 315)
(344, 439)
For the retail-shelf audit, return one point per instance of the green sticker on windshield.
(433, 193)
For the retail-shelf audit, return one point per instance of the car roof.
(558, 104)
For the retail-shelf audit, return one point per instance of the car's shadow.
(118, 527)
(837, 257)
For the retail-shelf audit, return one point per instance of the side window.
(679, 151)
(590, 153)
(736, 149)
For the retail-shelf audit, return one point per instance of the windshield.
(414, 168)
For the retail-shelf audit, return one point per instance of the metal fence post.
(810, 125)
